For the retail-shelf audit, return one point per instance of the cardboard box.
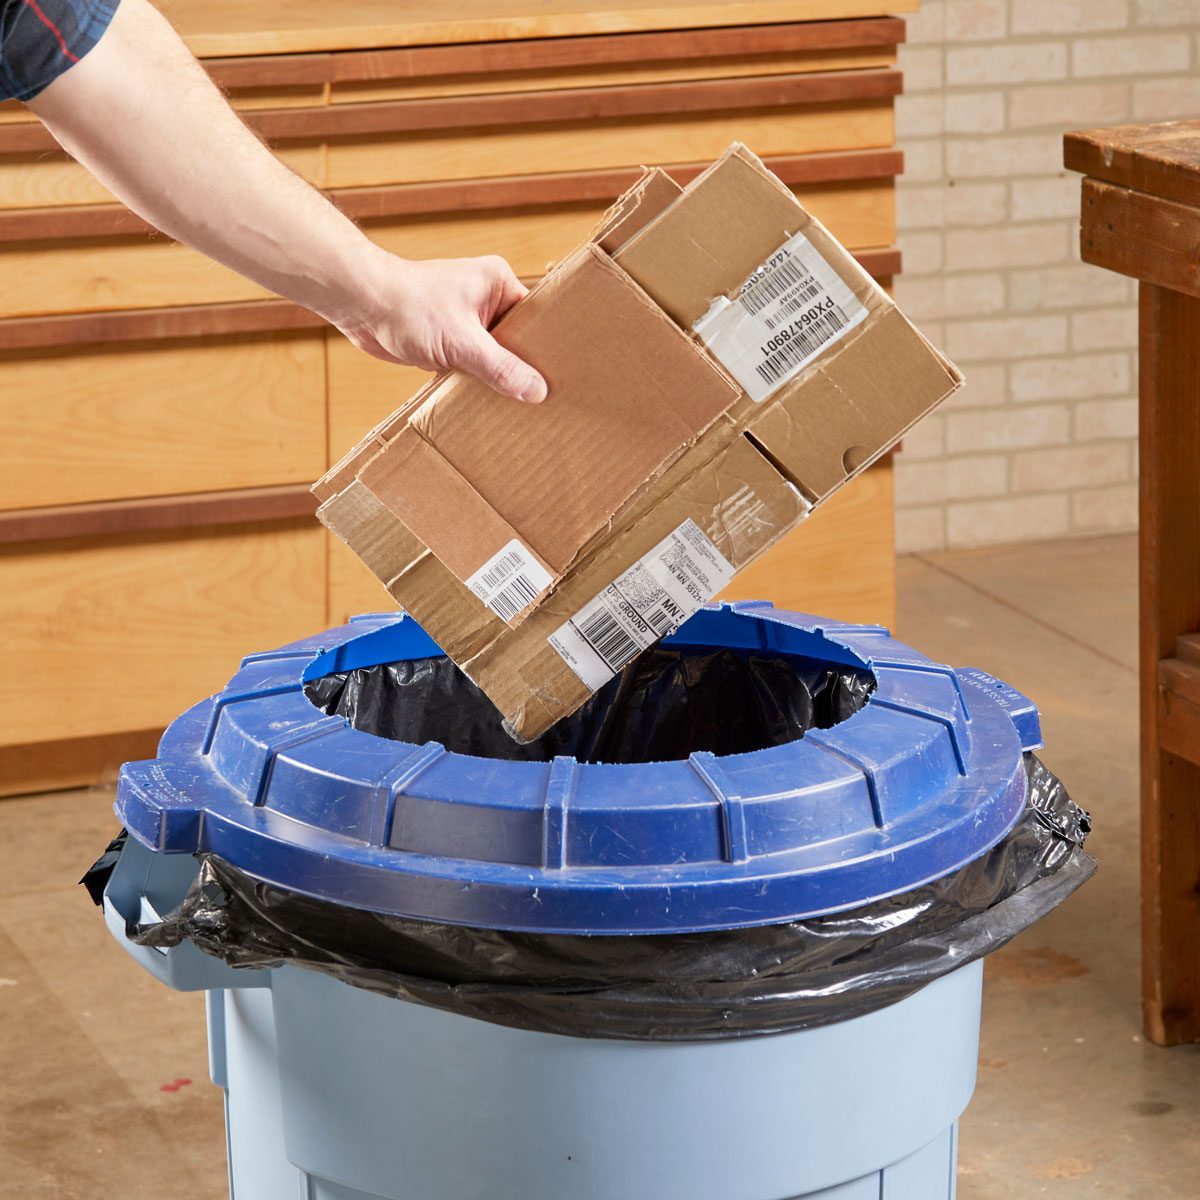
(718, 365)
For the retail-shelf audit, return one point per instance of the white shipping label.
(510, 580)
(653, 598)
(790, 310)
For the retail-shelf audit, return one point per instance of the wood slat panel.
(127, 633)
(640, 49)
(615, 74)
(94, 275)
(608, 144)
(438, 196)
(205, 320)
(162, 418)
(156, 514)
(88, 275)
(506, 111)
(78, 762)
(231, 27)
(47, 178)
(840, 562)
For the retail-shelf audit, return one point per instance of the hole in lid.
(667, 704)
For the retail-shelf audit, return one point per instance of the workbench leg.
(1169, 554)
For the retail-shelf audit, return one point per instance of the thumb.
(500, 369)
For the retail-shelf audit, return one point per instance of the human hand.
(436, 314)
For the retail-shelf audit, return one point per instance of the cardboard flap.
(417, 484)
(654, 193)
(724, 226)
(852, 406)
(628, 392)
(362, 521)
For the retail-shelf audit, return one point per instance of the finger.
(508, 289)
(500, 369)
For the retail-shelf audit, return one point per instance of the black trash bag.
(666, 704)
(665, 987)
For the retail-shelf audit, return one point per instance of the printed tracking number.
(804, 343)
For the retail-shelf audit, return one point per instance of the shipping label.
(790, 310)
(650, 600)
(510, 581)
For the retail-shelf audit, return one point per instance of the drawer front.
(839, 563)
(162, 418)
(94, 275)
(597, 145)
(51, 179)
(618, 74)
(127, 632)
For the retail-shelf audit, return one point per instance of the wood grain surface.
(128, 632)
(231, 27)
(161, 418)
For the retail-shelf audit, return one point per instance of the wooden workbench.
(164, 417)
(1141, 217)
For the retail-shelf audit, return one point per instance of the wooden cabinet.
(163, 417)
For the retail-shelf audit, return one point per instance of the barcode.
(794, 304)
(515, 595)
(510, 582)
(804, 344)
(773, 285)
(605, 634)
(661, 621)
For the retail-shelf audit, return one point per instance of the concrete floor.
(103, 1084)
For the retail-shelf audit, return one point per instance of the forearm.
(140, 113)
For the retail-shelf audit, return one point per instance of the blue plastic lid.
(923, 779)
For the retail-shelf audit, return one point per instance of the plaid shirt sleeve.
(40, 39)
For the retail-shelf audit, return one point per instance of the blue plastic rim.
(922, 780)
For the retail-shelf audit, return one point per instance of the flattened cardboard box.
(718, 365)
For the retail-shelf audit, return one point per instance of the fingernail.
(534, 392)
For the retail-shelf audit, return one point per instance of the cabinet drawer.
(45, 179)
(357, 161)
(162, 418)
(840, 562)
(97, 274)
(127, 632)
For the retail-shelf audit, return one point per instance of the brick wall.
(1041, 442)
